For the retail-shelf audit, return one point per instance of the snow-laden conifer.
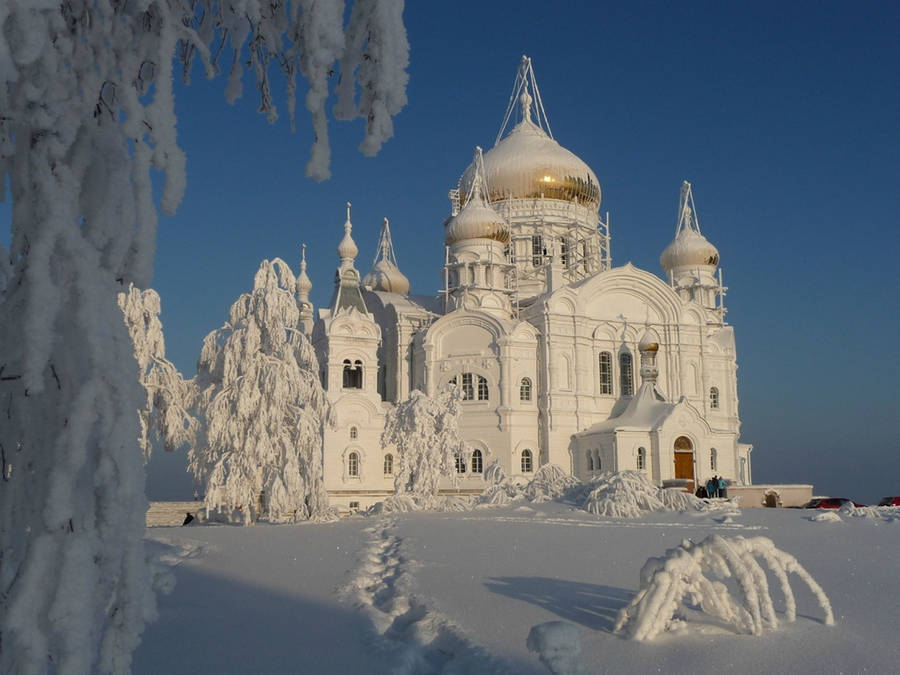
(696, 574)
(425, 431)
(165, 416)
(264, 408)
(86, 94)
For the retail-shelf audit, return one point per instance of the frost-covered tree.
(696, 573)
(86, 94)
(425, 431)
(165, 416)
(264, 407)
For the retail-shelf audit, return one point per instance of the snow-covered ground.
(459, 593)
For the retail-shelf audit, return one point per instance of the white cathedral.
(559, 356)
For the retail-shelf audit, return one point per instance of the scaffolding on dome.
(525, 79)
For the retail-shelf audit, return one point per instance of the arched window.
(353, 465)
(641, 459)
(477, 462)
(354, 433)
(590, 461)
(460, 464)
(468, 387)
(714, 398)
(713, 460)
(389, 465)
(527, 461)
(606, 381)
(352, 378)
(483, 393)
(626, 374)
(599, 463)
(563, 379)
(525, 389)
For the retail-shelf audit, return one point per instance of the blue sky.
(784, 116)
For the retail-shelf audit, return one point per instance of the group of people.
(715, 487)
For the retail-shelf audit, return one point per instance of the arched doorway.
(684, 458)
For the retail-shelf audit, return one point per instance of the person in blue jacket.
(712, 487)
(722, 484)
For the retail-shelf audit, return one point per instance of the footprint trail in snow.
(422, 639)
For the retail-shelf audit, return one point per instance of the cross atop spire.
(525, 91)
(347, 249)
(385, 250)
(687, 211)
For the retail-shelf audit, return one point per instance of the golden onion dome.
(689, 249)
(476, 220)
(528, 163)
(386, 276)
(649, 341)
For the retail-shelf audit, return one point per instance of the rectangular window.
(626, 374)
(564, 252)
(606, 381)
(354, 507)
(468, 387)
(537, 250)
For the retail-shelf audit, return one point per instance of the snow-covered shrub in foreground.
(558, 646)
(693, 573)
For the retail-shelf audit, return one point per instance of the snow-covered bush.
(87, 111)
(500, 489)
(557, 645)
(425, 431)
(165, 415)
(263, 407)
(630, 494)
(696, 574)
(549, 482)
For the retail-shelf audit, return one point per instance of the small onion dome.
(476, 220)
(347, 249)
(385, 276)
(649, 341)
(689, 249)
(530, 164)
(304, 285)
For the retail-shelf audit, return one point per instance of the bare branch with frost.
(695, 574)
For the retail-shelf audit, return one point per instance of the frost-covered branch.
(695, 574)
(264, 408)
(87, 101)
(166, 415)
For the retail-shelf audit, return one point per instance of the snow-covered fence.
(170, 514)
(693, 572)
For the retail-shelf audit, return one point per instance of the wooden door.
(684, 465)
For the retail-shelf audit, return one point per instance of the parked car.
(889, 501)
(829, 503)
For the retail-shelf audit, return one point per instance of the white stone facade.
(544, 337)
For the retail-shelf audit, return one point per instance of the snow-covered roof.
(647, 410)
